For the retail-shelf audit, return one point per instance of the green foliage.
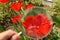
(56, 20)
(1, 29)
(56, 11)
(57, 6)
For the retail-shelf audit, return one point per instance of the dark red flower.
(3, 1)
(16, 19)
(37, 26)
(16, 6)
(28, 6)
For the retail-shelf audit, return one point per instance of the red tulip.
(16, 19)
(37, 26)
(28, 6)
(3, 1)
(16, 6)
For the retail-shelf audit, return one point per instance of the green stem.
(30, 38)
(19, 26)
(3, 8)
(15, 27)
(24, 38)
(37, 39)
(22, 10)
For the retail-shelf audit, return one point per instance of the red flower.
(15, 19)
(3, 1)
(16, 6)
(28, 6)
(37, 26)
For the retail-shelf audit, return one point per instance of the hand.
(9, 35)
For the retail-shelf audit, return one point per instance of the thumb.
(15, 37)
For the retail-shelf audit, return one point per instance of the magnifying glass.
(37, 23)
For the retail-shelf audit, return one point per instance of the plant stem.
(3, 8)
(22, 10)
(30, 38)
(15, 27)
(24, 38)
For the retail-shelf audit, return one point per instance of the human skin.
(9, 35)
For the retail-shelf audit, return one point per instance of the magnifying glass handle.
(19, 33)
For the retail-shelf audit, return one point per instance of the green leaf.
(24, 38)
(1, 29)
(56, 21)
(39, 10)
(15, 26)
(35, 11)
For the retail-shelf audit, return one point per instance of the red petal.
(18, 18)
(4, 1)
(42, 19)
(13, 20)
(16, 6)
(28, 6)
(29, 20)
(34, 33)
(25, 25)
(45, 28)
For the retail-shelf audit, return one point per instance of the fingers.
(7, 34)
(15, 37)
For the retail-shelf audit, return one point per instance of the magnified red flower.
(28, 6)
(16, 6)
(37, 26)
(3, 1)
(16, 19)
